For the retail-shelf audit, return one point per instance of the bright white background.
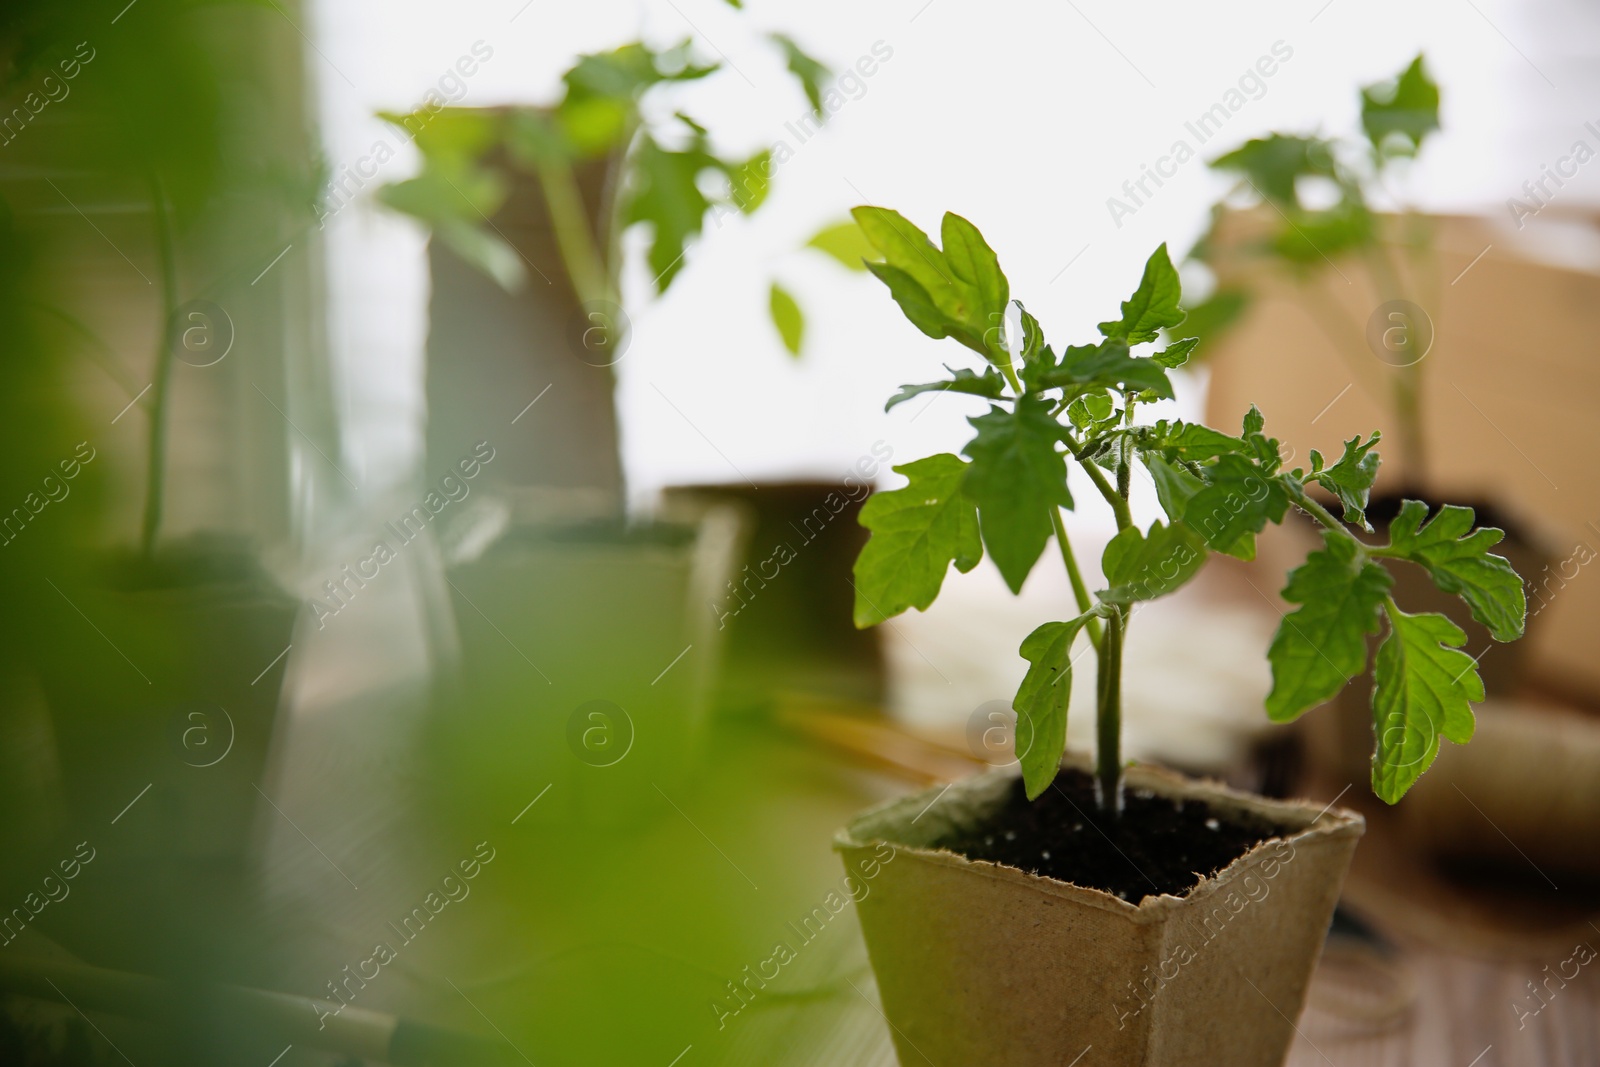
(1023, 116)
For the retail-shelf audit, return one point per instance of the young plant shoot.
(1005, 493)
(1397, 117)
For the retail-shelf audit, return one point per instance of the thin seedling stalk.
(160, 390)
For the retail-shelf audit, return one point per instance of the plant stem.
(1108, 721)
(155, 480)
(1408, 413)
(1004, 363)
(1321, 514)
(579, 253)
(1080, 592)
(1119, 505)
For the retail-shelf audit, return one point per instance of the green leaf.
(1193, 441)
(1034, 351)
(1272, 164)
(1425, 688)
(1153, 306)
(812, 75)
(1175, 487)
(1322, 644)
(751, 180)
(1017, 477)
(917, 532)
(1211, 318)
(467, 193)
(1351, 478)
(1145, 566)
(1461, 563)
(1236, 502)
(668, 197)
(988, 384)
(452, 134)
(1318, 236)
(1041, 702)
(787, 317)
(1107, 364)
(959, 309)
(975, 263)
(915, 302)
(845, 242)
(1254, 421)
(1089, 408)
(484, 250)
(1399, 113)
(1177, 353)
(903, 246)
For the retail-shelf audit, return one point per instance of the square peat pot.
(982, 964)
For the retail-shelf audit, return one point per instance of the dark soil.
(1158, 845)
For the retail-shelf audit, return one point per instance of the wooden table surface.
(576, 952)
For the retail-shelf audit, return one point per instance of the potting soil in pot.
(1159, 844)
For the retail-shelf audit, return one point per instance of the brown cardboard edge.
(1307, 820)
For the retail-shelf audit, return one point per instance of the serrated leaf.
(1176, 354)
(1145, 566)
(1319, 236)
(1193, 441)
(811, 74)
(1254, 421)
(1108, 365)
(1034, 350)
(1017, 477)
(917, 532)
(787, 317)
(845, 242)
(1461, 563)
(1153, 306)
(1274, 163)
(667, 196)
(1351, 477)
(1407, 107)
(1322, 644)
(1041, 702)
(1424, 689)
(988, 384)
(1236, 502)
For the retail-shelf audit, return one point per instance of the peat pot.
(979, 963)
(163, 680)
(589, 652)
